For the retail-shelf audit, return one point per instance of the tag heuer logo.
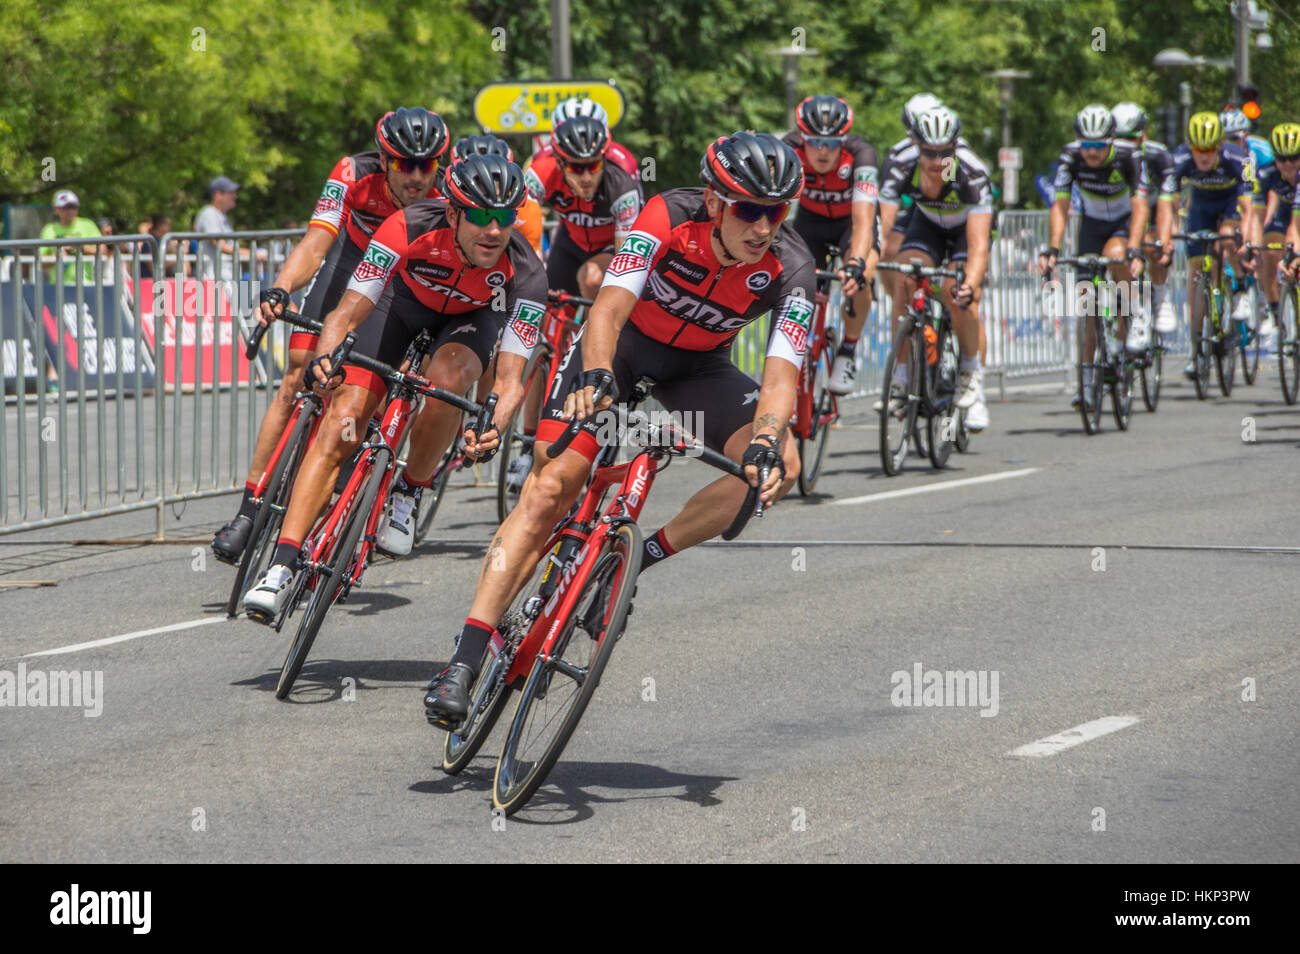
(334, 191)
(637, 245)
(800, 312)
(379, 257)
(529, 314)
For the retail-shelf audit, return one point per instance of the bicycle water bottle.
(931, 342)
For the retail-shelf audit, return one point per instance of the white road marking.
(1071, 737)
(942, 485)
(110, 640)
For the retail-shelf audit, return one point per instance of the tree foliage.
(137, 106)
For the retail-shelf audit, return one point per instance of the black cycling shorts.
(326, 289)
(565, 259)
(1095, 233)
(389, 330)
(827, 238)
(942, 245)
(714, 397)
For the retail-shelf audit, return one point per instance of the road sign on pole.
(526, 106)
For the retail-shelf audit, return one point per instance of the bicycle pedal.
(441, 722)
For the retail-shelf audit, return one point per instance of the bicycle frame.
(305, 402)
(804, 425)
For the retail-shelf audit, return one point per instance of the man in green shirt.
(70, 225)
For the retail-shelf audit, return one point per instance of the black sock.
(286, 554)
(656, 549)
(848, 348)
(474, 638)
(246, 506)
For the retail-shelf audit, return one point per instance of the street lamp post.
(790, 73)
(1008, 159)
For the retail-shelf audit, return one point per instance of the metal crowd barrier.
(1024, 337)
(124, 380)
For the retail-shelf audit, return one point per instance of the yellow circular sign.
(525, 107)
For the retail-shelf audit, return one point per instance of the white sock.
(1159, 293)
(970, 364)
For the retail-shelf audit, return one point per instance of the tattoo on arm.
(768, 422)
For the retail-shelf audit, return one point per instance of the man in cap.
(68, 224)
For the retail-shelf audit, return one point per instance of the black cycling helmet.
(485, 182)
(752, 165)
(580, 139)
(411, 133)
(481, 146)
(824, 116)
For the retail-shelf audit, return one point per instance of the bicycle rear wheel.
(560, 687)
(812, 449)
(941, 385)
(898, 415)
(1121, 393)
(1288, 353)
(1152, 369)
(514, 443)
(338, 567)
(270, 512)
(1092, 377)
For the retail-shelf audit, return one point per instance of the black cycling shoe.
(228, 545)
(447, 701)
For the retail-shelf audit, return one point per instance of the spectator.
(158, 225)
(70, 225)
(222, 196)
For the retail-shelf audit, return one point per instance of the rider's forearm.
(605, 320)
(776, 397)
(977, 247)
(1058, 217)
(351, 311)
(864, 230)
(304, 260)
(1164, 221)
(1137, 222)
(508, 385)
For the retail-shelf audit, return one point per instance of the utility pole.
(561, 49)
(1241, 50)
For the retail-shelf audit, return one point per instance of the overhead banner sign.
(526, 107)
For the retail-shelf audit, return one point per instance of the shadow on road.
(564, 800)
(321, 680)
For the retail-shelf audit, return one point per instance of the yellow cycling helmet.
(1286, 140)
(1204, 131)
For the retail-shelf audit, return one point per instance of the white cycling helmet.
(938, 126)
(1234, 122)
(917, 105)
(1130, 119)
(1094, 122)
(576, 106)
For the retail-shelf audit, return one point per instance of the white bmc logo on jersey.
(758, 281)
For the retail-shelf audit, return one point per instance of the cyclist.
(1237, 130)
(951, 221)
(837, 212)
(1162, 198)
(576, 106)
(1278, 191)
(362, 191)
(529, 221)
(457, 268)
(1223, 185)
(1112, 184)
(699, 266)
(596, 203)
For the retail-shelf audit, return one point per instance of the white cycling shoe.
(397, 533)
(1166, 318)
(265, 600)
(977, 416)
(842, 374)
(971, 388)
(1138, 334)
(517, 473)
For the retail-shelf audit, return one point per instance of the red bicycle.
(272, 491)
(816, 409)
(557, 334)
(337, 552)
(554, 642)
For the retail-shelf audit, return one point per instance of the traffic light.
(1249, 96)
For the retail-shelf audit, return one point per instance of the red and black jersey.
(690, 300)
(853, 178)
(592, 225)
(357, 191)
(415, 249)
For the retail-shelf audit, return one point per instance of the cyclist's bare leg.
(454, 368)
(965, 321)
(713, 508)
(342, 430)
(277, 414)
(1266, 273)
(591, 274)
(1116, 247)
(547, 495)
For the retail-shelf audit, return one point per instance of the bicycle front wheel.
(1288, 353)
(812, 449)
(560, 687)
(941, 377)
(1203, 342)
(1251, 340)
(1121, 393)
(1152, 369)
(332, 577)
(1091, 377)
(898, 414)
(1225, 347)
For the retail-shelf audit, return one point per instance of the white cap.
(65, 198)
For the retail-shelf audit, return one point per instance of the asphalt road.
(773, 733)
